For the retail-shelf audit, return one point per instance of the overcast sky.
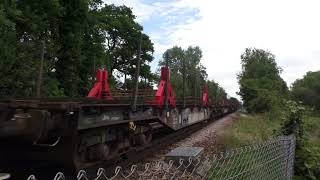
(290, 29)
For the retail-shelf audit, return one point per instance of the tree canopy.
(307, 89)
(75, 37)
(260, 81)
(54, 47)
(187, 71)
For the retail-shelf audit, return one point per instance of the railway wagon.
(81, 132)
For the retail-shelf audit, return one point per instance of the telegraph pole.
(135, 93)
(183, 82)
(166, 87)
(43, 44)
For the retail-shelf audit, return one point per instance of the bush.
(307, 89)
(307, 158)
(265, 101)
(261, 86)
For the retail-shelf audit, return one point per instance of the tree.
(123, 36)
(260, 81)
(307, 89)
(12, 79)
(71, 29)
(93, 49)
(188, 72)
(27, 26)
(185, 68)
(56, 46)
(175, 58)
(216, 93)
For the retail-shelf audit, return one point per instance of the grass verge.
(250, 129)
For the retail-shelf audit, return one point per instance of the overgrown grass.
(310, 151)
(250, 129)
(247, 130)
(312, 129)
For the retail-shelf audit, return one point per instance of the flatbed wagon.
(79, 132)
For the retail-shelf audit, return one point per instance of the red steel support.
(101, 89)
(159, 98)
(205, 97)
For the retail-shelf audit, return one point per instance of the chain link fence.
(273, 159)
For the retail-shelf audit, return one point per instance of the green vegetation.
(307, 162)
(250, 129)
(261, 87)
(58, 44)
(187, 63)
(53, 48)
(264, 92)
(312, 128)
(293, 124)
(307, 89)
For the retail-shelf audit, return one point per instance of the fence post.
(291, 156)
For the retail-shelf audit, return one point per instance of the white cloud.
(288, 28)
(141, 10)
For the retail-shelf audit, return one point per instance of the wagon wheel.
(145, 138)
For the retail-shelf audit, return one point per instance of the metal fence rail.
(269, 160)
(273, 159)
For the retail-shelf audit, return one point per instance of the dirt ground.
(209, 137)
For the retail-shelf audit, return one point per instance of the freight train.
(81, 132)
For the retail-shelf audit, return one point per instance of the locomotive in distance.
(78, 133)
